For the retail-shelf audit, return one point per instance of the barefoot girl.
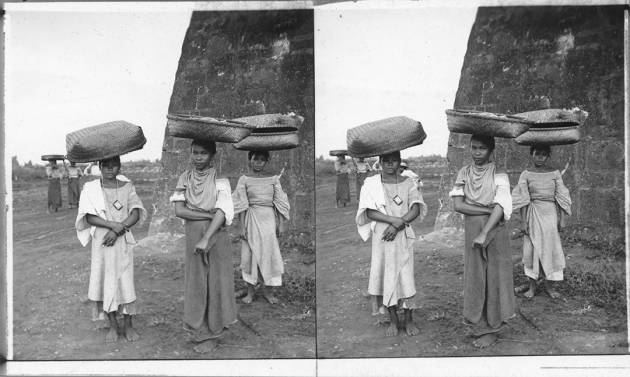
(259, 200)
(388, 204)
(343, 183)
(108, 208)
(482, 194)
(203, 198)
(74, 189)
(54, 186)
(544, 204)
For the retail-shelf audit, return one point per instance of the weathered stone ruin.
(529, 58)
(236, 64)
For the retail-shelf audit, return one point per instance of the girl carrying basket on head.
(388, 204)
(343, 183)
(203, 198)
(262, 209)
(482, 193)
(544, 204)
(108, 208)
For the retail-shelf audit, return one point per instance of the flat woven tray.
(384, 136)
(339, 152)
(269, 141)
(552, 118)
(487, 124)
(273, 120)
(206, 128)
(104, 141)
(53, 157)
(550, 136)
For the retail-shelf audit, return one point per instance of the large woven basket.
(104, 141)
(53, 157)
(269, 141)
(290, 122)
(206, 128)
(552, 118)
(488, 124)
(339, 152)
(550, 136)
(384, 136)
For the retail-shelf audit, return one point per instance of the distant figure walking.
(74, 188)
(54, 185)
(343, 183)
(362, 169)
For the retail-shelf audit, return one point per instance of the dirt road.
(572, 324)
(52, 317)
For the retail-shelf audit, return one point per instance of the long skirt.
(54, 192)
(391, 272)
(488, 284)
(343, 188)
(74, 191)
(360, 179)
(542, 246)
(210, 303)
(261, 251)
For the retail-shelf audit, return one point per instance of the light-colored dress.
(488, 280)
(111, 285)
(261, 198)
(545, 194)
(343, 183)
(210, 303)
(391, 271)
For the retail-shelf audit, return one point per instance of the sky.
(70, 70)
(371, 65)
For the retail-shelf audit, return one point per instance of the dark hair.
(397, 154)
(115, 158)
(488, 141)
(251, 154)
(209, 146)
(540, 148)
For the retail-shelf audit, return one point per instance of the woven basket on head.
(206, 128)
(53, 157)
(290, 122)
(339, 152)
(269, 141)
(550, 136)
(552, 118)
(488, 124)
(104, 141)
(384, 136)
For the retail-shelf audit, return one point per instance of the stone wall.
(529, 58)
(236, 64)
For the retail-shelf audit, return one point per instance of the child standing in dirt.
(258, 200)
(203, 198)
(108, 208)
(544, 204)
(388, 204)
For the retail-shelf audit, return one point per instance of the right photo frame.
(469, 179)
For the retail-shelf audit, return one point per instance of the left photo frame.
(211, 255)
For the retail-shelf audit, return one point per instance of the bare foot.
(411, 329)
(112, 335)
(392, 330)
(266, 291)
(207, 346)
(131, 335)
(207, 335)
(271, 298)
(552, 292)
(248, 299)
(521, 288)
(529, 293)
(486, 340)
(479, 332)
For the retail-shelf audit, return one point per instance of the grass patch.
(299, 288)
